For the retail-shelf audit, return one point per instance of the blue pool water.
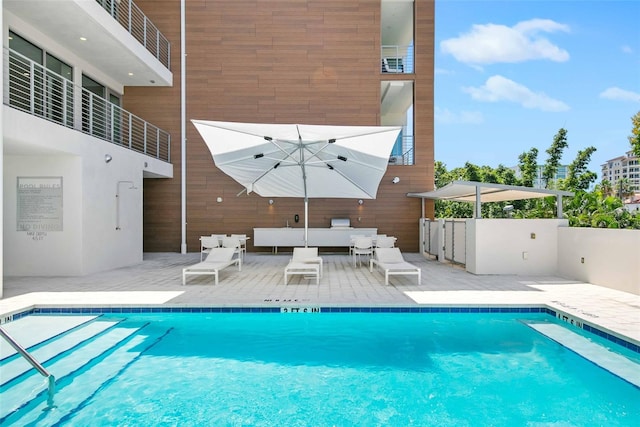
(339, 370)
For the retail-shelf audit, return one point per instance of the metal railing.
(33, 362)
(406, 158)
(396, 59)
(40, 92)
(139, 26)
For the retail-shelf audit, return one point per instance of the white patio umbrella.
(308, 161)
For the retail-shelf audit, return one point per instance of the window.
(94, 108)
(101, 115)
(39, 83)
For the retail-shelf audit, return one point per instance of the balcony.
(112, 35)
(37, 91)
(396, 59)
(140, 27)
(402, 153)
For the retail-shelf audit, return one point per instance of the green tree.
(441, 176)
(601, 207)
(528, 164)
(506, 175)
(634, 138)
(449, 209)
(472, 172)
(578, 176)
(606, 187)
(555, 154)
(624, 189)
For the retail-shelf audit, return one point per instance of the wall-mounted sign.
(39, 201)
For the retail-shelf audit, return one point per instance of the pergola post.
(559, 205)
(478, 213)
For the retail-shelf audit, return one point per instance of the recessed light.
(84, 39)
(131, 74)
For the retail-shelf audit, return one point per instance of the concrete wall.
(512, 246)
(604, 257)
(89, 241)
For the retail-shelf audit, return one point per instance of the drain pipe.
(183, 128)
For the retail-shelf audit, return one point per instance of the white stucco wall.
(89, 241)
(47, 252)
(605, 257)
(508, 246)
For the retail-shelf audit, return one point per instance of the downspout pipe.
(183, 127)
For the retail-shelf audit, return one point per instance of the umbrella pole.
(306, 221)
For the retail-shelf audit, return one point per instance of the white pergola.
(479, 192)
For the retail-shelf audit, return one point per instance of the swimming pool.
(329, 369)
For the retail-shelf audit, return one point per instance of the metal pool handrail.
(33, 362)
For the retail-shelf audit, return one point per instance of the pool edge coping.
(598, 330)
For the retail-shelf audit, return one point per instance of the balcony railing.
(45, 94)
(396, 59)
(139, 26)
(404, 155)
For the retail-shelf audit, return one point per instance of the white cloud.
(626, 49)
(445, 116)
(498, 88)
(617, 94)
(491, 43)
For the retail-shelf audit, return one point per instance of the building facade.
(108, 118)
(623, 167)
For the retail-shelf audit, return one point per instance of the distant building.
(627, 166)
(539, 182)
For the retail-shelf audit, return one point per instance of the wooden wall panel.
(279, 61)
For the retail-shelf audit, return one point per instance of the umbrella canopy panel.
(309, 161)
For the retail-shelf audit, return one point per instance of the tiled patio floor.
(157, 282)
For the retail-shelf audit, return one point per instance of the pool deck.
(156, 282)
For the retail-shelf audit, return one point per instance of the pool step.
(79, 372)
(16, 366)
(598, 354)
(33, 330)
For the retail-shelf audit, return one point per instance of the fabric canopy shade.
(308, 161)
(477, 192)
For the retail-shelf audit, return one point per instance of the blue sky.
(509, 74)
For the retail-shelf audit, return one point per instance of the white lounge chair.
(217, 259)
(310, 270)
(304, 261)
(308, 256)
(391, 261)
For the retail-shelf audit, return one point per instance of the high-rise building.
(539, 181)
(623, 167)
(101, 162)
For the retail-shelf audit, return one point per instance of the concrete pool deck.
(157, 282)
